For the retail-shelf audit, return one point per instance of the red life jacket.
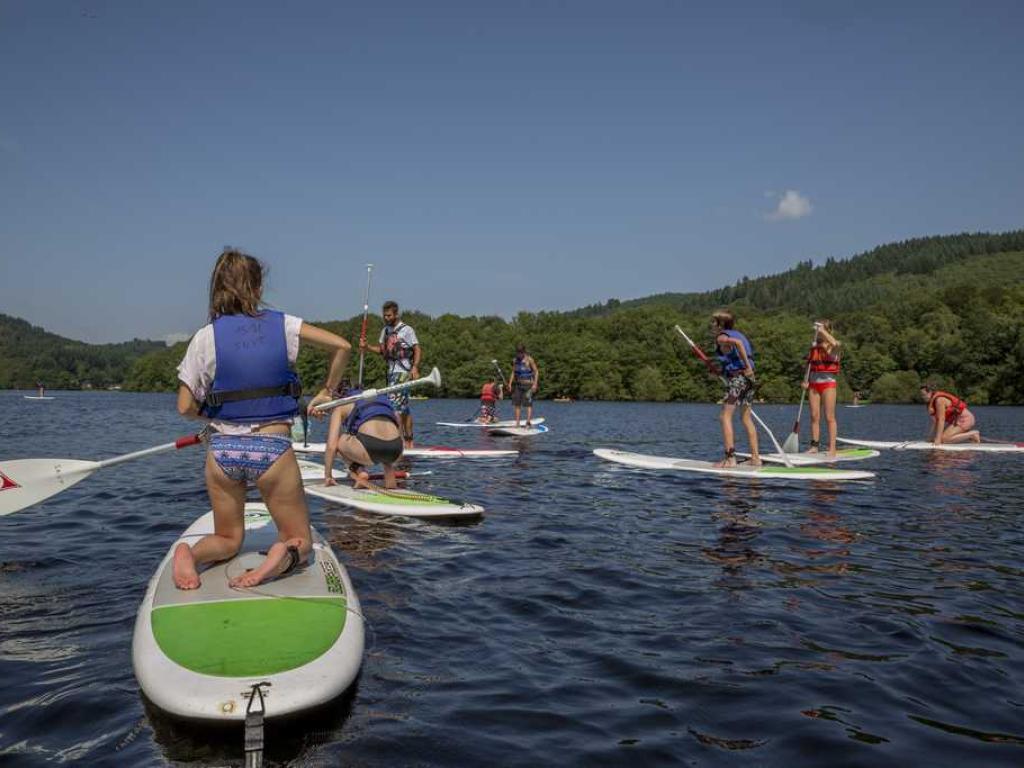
(956, 407)
(822, 361)
(489, 393)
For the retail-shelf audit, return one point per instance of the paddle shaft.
(369, 393)
(181, 442)
(803, 390)
(366, 315)
(500, 373)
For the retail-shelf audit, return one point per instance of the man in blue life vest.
(525, 380)
(401, 351)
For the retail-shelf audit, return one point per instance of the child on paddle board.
(736, 357)
(952, 422)
(400, 349)
(364, 433)
(238, 374)
(525, 380)
(490, 394)
(821, 385)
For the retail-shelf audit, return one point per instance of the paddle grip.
(185, 442)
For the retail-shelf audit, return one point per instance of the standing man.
(525, 379)
(401, 351)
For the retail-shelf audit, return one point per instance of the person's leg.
(227, 497)
(333, 433)
(407, 434)
(725, 417)
(751, 427)
(281, 489)
(828, 397)
(389, 476)
(962, 431)
(529, 407)
(814, 410)
(354, 452)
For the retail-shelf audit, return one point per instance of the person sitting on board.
(365, 433)
(525, 380)
(238, 373)
(401, 351)
(952, 422)
(821, 383)
(490, 394)
(736, 357)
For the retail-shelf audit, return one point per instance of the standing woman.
(238, 373)
(822, 384)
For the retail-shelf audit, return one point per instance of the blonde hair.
(724, 318)
(236, 285)
(826, 324)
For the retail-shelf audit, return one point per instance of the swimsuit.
(244, 458)
(381, 451)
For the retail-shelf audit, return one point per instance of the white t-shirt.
(406, 336)
(199, 365)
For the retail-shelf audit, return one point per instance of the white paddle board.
(518, 431)
(37, 397)
(431, 452)
(195, 652)
(386, 502)
(483, 425)
(766, 472)
(805, 459)
(925, 445)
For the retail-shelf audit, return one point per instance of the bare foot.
(185, 574)
(812, 449)
(754, 461)
(729, 461)
(976, 437)
(360, 477)
(329, 480)
(257, 575)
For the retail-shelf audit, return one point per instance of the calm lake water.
(597, 615)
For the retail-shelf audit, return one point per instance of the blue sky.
(487, 157)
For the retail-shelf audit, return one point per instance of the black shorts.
(522, 394)
(381, 451)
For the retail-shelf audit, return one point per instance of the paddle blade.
(24, 482)
(434, 378)
(792, 444)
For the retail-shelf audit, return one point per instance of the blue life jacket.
(364, 410)
(253, 382)
(731, 362)
(522, 371)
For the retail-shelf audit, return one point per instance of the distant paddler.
(821, 384)
(41, 388)
(401, 351)
(952, 422)
(525, 381)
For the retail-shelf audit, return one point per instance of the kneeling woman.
(364, 433)
(238, 373)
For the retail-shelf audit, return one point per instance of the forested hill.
(949, 309)
(838, 285)
(29, 354)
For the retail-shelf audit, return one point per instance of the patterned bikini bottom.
(244, 458)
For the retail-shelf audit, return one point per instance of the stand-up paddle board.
(431, 452)
(197, 652)
(389, 502)
(772, 472)
(312, 471)
(518, 431)
(805, 459)
(925, 445)
(37, 397)
(854, 406)
(484, 425)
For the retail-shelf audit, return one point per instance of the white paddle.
(24, 482)
(434, 378)
(792, 444)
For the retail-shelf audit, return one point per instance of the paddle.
(366, 315)
(709, 363)
(502, 375)
(792, 444)
(24, 482)
(433, 378)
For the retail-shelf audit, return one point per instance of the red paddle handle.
(185, 442)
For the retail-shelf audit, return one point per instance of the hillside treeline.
(962, 326)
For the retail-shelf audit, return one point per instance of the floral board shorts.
(739, 390)
(399, 400)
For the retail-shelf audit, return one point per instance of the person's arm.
(828, 338)
(342, 351)
(188, 406)
(536, 373)
(417, 353)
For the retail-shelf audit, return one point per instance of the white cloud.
(173, 338)
(792, 205)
